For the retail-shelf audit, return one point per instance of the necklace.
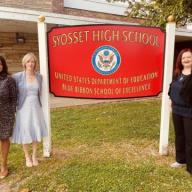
(30, 78)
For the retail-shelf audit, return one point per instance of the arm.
(186, 91)
(39, 79)
(12, 94)
(169, 101)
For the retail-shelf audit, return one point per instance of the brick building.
(18, 23)
(18, 20)
(18, 28)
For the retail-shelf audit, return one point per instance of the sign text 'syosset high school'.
(106, 61)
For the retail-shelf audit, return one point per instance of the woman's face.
(186, 59)
(1, 66)
(30, 65)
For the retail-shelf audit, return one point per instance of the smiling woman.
(7, 113)
(30, 125)
(180, 94)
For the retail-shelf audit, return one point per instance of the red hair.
(179, 66)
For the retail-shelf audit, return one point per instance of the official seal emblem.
(106, 60)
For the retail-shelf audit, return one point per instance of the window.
(117, 8)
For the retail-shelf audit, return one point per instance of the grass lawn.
(102, 148)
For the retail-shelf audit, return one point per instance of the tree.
(155, 12)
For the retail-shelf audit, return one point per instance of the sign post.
(168, 71)
(43, 60)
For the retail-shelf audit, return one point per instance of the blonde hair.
(27, 57)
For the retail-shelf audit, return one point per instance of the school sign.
(106, 61)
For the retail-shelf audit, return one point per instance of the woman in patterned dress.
(30, 125)
(7, 113)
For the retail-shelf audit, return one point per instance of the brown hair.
(179, 66)
(4, 64)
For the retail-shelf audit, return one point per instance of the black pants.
(183, 140)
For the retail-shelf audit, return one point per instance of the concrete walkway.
(57, 102)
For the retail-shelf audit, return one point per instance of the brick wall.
(57, 6)
(13, 52)
(92, 14)
(43, 5)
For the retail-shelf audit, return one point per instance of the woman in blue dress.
(30, 126)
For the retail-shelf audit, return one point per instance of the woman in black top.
(7, 113)
(181, 96)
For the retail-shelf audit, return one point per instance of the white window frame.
(116, 8)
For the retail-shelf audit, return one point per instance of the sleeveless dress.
(30, 124)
